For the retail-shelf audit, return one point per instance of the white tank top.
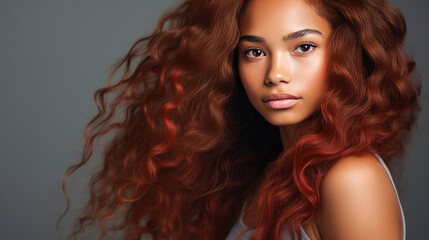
(239, 226)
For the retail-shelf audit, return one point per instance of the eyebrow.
(290, 36)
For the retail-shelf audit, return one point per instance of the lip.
(279, 96)
(280, 100)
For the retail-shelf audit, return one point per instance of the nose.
(279, 70)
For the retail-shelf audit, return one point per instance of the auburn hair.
(188, 147)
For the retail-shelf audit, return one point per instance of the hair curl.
(190, 144)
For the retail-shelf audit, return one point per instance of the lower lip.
(282, 103)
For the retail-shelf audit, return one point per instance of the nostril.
(268, 82)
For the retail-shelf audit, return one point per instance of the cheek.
(252, 77)
(313, 76)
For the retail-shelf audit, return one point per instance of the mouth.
(280, 100)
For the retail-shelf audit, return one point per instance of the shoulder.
(358, 201)
(357, 171)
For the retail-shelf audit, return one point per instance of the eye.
(254, 53)
(305, 47)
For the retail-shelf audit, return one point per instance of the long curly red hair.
(188, 147)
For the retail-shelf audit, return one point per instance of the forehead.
(262, 16)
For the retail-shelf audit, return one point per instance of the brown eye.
(254, 53)
(305, 48)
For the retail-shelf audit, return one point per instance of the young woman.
(257, 119)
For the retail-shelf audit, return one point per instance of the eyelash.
(311, 44)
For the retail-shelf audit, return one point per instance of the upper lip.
(279, 96)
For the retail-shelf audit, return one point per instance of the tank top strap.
(396, 192)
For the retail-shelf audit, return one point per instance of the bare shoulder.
(358, 201)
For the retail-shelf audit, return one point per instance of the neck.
(287, 134)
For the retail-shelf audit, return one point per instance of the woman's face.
(282, 59)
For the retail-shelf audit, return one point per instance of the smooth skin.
(282, 49)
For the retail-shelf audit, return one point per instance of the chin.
(283, 121)
(286, 118)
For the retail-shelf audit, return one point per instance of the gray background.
(54, 55)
